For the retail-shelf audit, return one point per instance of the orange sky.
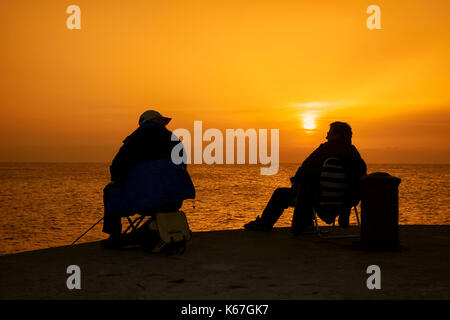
(73, 95)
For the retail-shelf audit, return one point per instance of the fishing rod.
(193, 205)
(87, 231)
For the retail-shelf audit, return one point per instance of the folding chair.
(332, 191)
(135, 223)
(128, 239)
(150, 213)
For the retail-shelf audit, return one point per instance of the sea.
(45, 205)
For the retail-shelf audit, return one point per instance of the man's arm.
(359, 165)
(121, 164)
(311, 165)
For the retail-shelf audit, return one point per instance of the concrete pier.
(238, 265)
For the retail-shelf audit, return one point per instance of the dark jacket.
(151, 141)
(309, 171)
(144, 175)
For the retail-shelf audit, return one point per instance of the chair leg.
(323, 235)
(316, 223)
(357, 217)
(139, 221)
(319, 232)
(134, 224)
(131, 222)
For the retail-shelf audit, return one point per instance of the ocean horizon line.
(214, 164)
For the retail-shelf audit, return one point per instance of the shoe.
(257, 225)
(298, 230)
(310, 229)
(344, 221)
(129, 239)
(112, 243)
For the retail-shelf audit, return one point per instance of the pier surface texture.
(237, 264)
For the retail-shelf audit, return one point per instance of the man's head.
(153, 116)
(340, 132)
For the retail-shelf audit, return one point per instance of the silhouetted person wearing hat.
(144, 178)
(305, 183)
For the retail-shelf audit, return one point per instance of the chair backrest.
(333, 183)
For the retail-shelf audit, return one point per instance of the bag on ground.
(168, 232)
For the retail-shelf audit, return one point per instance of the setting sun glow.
(69, 95)
(309, 121)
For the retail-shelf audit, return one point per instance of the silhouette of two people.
(145, 180)
(304, 191)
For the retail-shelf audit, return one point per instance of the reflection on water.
(48, 204)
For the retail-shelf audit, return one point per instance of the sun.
(309, 121)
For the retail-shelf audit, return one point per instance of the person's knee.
(279, 192)
(276, 192)
(284, 197)
(107, 188)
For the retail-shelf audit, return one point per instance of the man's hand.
(293, 182)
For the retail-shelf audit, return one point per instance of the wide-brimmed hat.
(150, 115)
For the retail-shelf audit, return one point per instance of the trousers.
(303, 199)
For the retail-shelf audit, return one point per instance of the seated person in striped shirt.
(304, 192)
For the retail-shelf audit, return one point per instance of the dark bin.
(379, 211)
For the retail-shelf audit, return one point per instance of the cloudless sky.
(73, 95)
